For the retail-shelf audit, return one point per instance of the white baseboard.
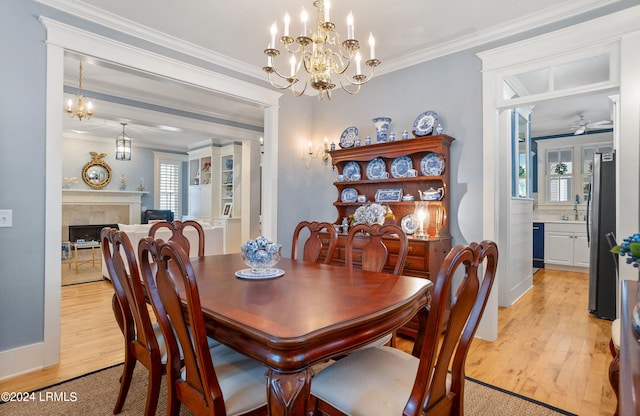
(21, 360)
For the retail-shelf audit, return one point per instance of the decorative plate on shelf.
(376, 169)
(348, 137)
(266, 274)
(389, 195)
(350, 169)
(349, 195)
(409, 223)
(400, 166)
(432, 164)
(424, 123)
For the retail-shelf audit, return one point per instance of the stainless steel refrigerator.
(601, 219)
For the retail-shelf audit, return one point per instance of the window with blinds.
(169, 186)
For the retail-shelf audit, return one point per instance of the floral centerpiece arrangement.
(371, 213)
(630, 248)
(260, 254)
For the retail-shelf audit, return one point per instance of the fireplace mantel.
(101, 197)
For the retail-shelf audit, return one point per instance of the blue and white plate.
(400, 166)
(350, 169)
(409, 223)
(376, 169)
(432, 164)
(349, 195)
(348, 137)
(266, 274)
(425, 122)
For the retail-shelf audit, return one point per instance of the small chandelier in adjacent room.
(326, 61)
(123, 145)
(81, 111)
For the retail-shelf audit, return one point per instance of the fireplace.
(87, 232)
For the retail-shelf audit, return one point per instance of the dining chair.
(614, 341)
(177, 233)
(430, 381)
(374, 252)
(209, 380)
(144, 341)
(315, 243)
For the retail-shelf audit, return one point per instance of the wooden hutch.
(425, 254)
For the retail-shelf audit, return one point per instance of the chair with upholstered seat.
(614, 342)
(209, 381)
(430, 381)
(177, 233)
(314, 244)
(144, 341)
(373, 254)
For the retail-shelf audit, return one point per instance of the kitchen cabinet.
(566, 245)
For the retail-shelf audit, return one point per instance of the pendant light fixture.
(123, 145)
(82, 109)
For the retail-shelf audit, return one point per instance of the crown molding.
(549, 15)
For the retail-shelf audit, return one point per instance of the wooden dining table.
(310, 314)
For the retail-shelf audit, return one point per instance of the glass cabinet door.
(521, 158)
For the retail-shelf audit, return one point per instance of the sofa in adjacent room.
(214, 239)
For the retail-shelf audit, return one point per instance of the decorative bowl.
(260, 254)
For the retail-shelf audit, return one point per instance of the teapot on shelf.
(432, 194)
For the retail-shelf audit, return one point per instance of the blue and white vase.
(382, 128)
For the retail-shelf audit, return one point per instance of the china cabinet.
(425, 254)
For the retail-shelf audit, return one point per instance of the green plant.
(561, 168)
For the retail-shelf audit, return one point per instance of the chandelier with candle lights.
(80, 110)
(326, 61)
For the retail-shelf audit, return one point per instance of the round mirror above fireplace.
(96, 173)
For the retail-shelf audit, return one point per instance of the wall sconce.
(320, 152)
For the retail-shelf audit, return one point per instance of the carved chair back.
(374, 255)
(177, 228)
(314, 245)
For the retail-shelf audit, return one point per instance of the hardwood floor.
(549, 347)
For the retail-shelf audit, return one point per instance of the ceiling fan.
(583, 124)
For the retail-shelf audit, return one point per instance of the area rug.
(95, 394)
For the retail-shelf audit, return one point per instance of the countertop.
(560, 221)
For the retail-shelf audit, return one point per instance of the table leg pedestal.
(289, 394)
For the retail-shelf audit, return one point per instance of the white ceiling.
(165, 114)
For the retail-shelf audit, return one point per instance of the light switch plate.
(6, 218)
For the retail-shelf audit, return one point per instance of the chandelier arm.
(280, 87)
(351, 92)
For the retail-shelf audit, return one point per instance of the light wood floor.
(549, 347)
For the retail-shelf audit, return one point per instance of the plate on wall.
(376, 169)
(424, 123)
(400, 166)
(348, 137)
(432, 164)
(409, 223)
(350, 169)
(349, 195)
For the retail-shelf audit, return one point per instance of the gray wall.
(75, 154)
(22, 167)
(449, 86)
